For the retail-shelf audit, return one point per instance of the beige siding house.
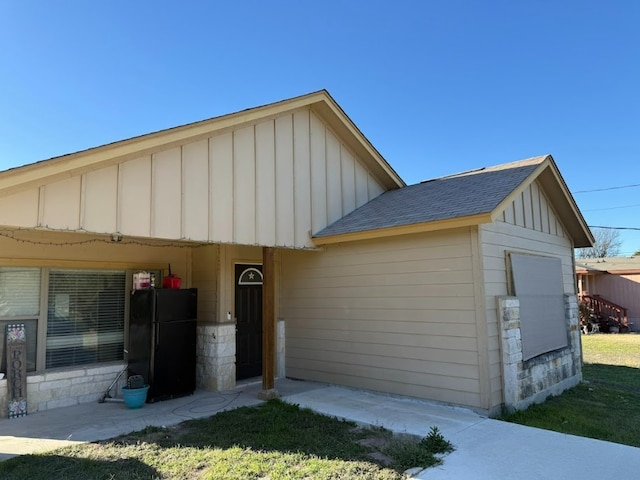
(421, 291)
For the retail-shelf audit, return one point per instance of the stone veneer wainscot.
(63, 388)
(533, 380)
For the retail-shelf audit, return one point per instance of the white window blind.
(85, 317)
(19, 292)
(19, 303)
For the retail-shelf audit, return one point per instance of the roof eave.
(633, 271)
(320, 102)
(560, 196)
(565, 206)
(589, 271)
(447, 224)
(330, 111)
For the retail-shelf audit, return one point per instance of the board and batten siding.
(204, 276)
(396, 315)
(271, 183)
(528, 225)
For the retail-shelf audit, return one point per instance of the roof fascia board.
(405, 229)
(560, 198)
(566, 206)
(338, 120)
(67, 165)
(614, 271)
(37, 174)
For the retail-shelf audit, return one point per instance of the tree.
(636, 253)
(607, 244)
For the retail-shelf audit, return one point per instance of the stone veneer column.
(509, 315)
(216, 356)
(573, 319)
(3, 398)
(280, 337)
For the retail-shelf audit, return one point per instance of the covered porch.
(208, 198)
(54, 279)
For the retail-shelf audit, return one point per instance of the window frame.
(24, 318)
(76, 297)
(45, 267)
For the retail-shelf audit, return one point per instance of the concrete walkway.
(485, 448)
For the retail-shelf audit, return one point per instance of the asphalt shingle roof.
(461, 195)
(613, 264)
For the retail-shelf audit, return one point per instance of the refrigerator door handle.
(156, 335)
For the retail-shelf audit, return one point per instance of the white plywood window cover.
(537, 282)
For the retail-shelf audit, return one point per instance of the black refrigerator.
(162, 340)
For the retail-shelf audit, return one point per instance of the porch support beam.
(268, 324)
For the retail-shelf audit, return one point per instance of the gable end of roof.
(320, 102)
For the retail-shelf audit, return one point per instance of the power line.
(608, 188)
(611, 208)
(615, 228)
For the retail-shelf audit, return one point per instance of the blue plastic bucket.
(135, 397)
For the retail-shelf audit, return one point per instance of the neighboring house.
(459, 290)
(616, 279)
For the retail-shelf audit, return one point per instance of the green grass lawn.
(607, 404)
(612, 349)
(272, 441)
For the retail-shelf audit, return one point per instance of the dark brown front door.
(249, 321)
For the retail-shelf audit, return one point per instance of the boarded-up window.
(537, 282)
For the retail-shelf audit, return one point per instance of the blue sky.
(437, 86)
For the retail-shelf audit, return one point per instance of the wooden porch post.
(268, 324)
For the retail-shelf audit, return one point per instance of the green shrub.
(435, 442)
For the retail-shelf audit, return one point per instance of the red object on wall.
(171, 281)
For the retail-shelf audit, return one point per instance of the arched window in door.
(250, 276)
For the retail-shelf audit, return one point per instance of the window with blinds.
(19, 303)
(85, 317)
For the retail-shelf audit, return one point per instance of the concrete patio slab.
(89, 422)
(485, 448)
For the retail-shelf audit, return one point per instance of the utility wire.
(611, 208)
(615, 228)
(608, 188)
